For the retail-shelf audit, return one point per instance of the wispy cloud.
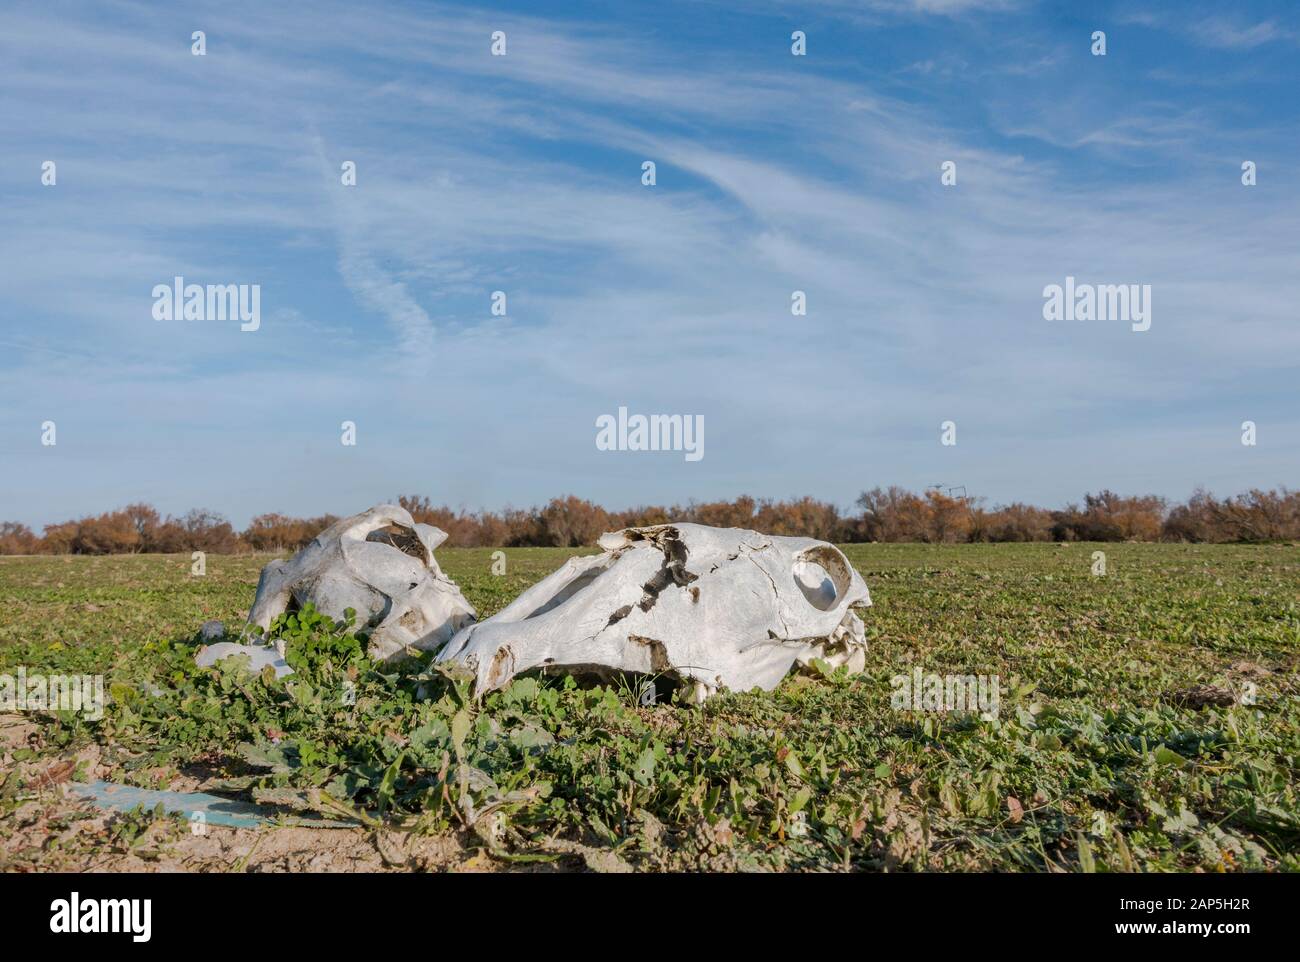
(1206, 27)
(1220, 32)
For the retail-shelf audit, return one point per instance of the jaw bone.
(711, 607)
(379, 563)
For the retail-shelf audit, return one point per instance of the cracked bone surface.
(379, 563)
(712, 607)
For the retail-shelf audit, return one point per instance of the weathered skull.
(379, 563)
(711, 607)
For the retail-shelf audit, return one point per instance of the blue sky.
(522, 173)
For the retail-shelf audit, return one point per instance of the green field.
(1149, 721)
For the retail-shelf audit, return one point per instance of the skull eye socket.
(402, 538)
(822, 574)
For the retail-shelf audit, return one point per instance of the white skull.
(379, 563)
(710, 607)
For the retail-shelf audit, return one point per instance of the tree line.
(883, 514)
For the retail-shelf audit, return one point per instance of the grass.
(1103, 756)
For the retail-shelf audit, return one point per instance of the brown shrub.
(1012, 522)
(645, 516)
(278, 532)
(721, 514)
(889, 514)
(113, 532)
(17, 538)
(1108, 516)
(948, 520)
(204, 530)
(571, 522)
(1256, 515)
(59, 538)
(806, 517)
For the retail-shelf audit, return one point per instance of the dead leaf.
(57, 773)
(1016, 810)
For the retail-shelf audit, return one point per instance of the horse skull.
(710, 607)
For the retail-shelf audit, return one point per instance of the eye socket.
(402, 538)
(822, 574)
